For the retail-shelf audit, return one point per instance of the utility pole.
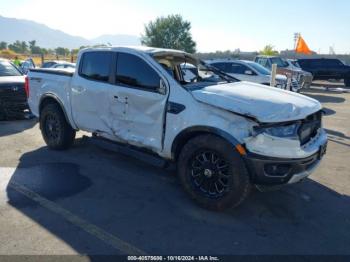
(296, 38)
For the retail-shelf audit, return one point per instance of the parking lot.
(91, 201)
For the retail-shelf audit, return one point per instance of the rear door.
(323, 69)
(137, 82)
(91, 89)
(336, 68)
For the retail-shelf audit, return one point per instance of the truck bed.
(49, 82)
(65, 72)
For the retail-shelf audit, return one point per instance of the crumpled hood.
(266, 104)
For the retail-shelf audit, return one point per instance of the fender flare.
(188, 133)
(58, 101)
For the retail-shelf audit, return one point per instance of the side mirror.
(248, 72)
(162, 87)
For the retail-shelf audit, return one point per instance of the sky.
(216, 25)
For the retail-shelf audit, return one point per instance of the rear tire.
(56, 131)
(213, 173)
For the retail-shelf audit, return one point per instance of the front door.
(137, 87)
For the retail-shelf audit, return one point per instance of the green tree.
(169, 32)
(62, 51)
(19, 47)
(44, 51)
(24, 47)
(32, 45)
(74, 51)
(3, 45)
(16, 46)
(34, 49)
(269, 50)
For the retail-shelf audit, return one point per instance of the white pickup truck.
(224, 135)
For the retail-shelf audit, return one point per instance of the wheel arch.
(52, 98)
(184, 136)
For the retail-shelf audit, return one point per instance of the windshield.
(262, 70)
(279, 62)
(295, 63)
(202, 75)
(192, 73)
(7, 69)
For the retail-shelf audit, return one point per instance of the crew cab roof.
(229, 60)
(141, 49)
(268, 56)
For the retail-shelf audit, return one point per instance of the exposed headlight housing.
(283, 131)
(281, 83)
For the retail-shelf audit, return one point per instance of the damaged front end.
(281, 153)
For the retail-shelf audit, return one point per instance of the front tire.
(213, 173)
(56, 131)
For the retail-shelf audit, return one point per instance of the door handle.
(79, 89)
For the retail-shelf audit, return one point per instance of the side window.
(320, 63)
(48, 64)
(245, 69)
(133, 71)
(96, 66)
(220, 66)
(305, 63)
(332, 63)
(263, 61)
(238, 69)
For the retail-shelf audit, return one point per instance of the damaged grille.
(310, 127)
(13, 100)
(295, 84)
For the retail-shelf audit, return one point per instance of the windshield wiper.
(222, 74)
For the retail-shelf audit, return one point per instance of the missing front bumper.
(278, 171)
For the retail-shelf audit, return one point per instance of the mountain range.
(12, 29)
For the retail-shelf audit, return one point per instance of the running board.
(128, 150)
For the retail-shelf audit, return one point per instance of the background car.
(64, 65)
(57, 63)
(304, 78)
(325, 69)
(248, 71)
(26, 65)
(13, 99)
(284, 68)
